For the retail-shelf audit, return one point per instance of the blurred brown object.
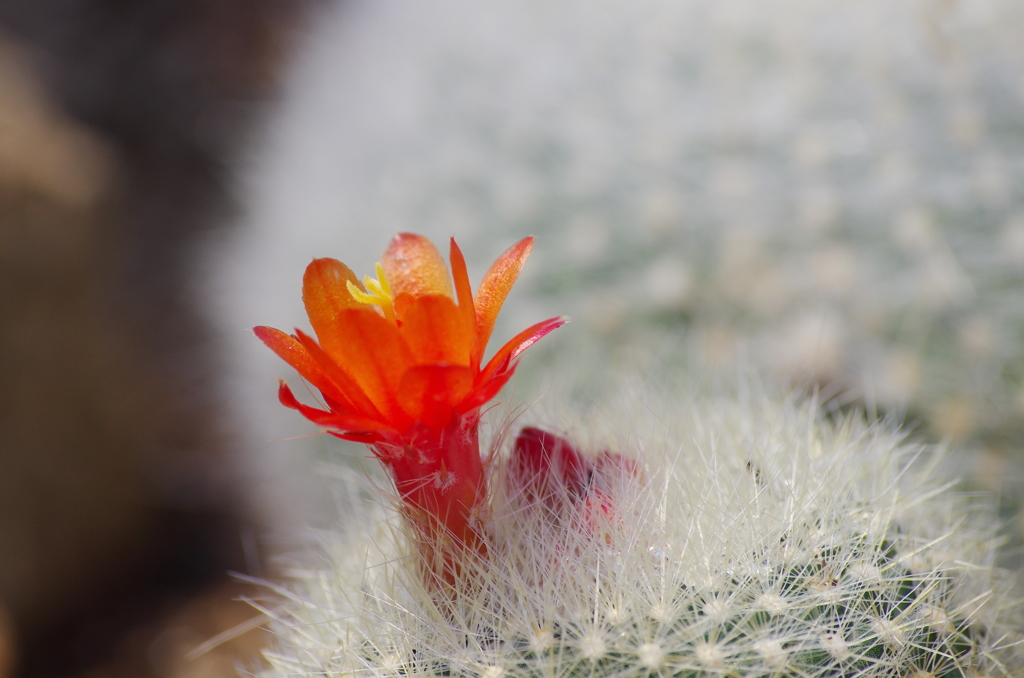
(42, 152)
(213, 636)
(120, 499)
(69, 486)
(6, 645)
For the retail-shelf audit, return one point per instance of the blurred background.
(829, 192)
(121, 509)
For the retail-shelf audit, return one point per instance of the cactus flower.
(398, 361)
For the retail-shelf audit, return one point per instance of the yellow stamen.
(378, 293)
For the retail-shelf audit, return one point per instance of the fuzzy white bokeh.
(760, 538)
(829, 190)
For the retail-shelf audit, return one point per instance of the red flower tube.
(399, 364)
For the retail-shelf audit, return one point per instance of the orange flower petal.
(381, 377)
(294, 353)
(433, 329)
(464, 294)
(494, 288)
(369, 350)
(414, 266)
(430, 392)
(325, 293)
(343, 391)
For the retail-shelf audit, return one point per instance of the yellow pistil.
(378, 293)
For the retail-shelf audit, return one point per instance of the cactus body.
(753, 538)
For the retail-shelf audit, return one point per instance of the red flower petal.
(484, 393)
(546, 464)
(333, 419)
(519, 343)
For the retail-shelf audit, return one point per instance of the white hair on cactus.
(754, 537)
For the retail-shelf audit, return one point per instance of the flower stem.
(439, 477)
